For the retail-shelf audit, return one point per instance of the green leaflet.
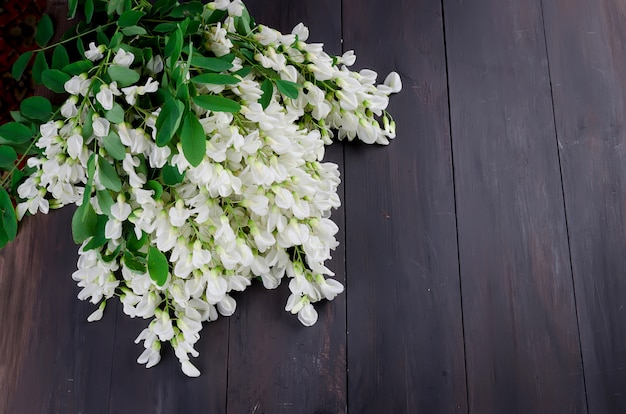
(8, 156)
(174, 45)
(60, 57)
(79, 67)
(108, 175)
(156, 187)
(123, 76)
(8, 218)
(105, 201)
(157, 266)
(115, 114)
(217, 103)
(215, 79)
(45, 30)
(36, 107)
(212, 64)
(134, 31)
(20, 64)
(84, 223)
(287, 88)
(114, 147)
(89, 9)
(14, 133)
(268, 90)
(130, 18)
(193, 139)
(169, 120)
(39, 67)
(170, 175)
(55, 80)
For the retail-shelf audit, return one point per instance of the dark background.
(483, 250)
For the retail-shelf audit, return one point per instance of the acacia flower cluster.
(196, 163)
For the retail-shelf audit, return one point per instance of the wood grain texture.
(51, 359)
(405, 343)
(521, 336)
(589, 87)
(276, 365)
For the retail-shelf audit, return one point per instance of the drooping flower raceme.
(198, 170)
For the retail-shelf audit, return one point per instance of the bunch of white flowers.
(196, 174)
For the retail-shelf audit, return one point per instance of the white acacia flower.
(189, 369)
(394, 82)
(155, 64)
(307, 315)
(101, 126)
(95, 53)
(77, 85)
(69, 109)
(123, 58)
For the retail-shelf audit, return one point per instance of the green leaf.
(60, 57)
(114, 147)
(9, 219)
(169, 120)
(156, 187)
(215, 79)
(20, 64)
(102, 38)
(45, 30)
(164, 27)
(113, 6)
(243, 72)
(174, 45)
(134, 244)
(8, 156)
(115, 114)
(171, 176)
(105, 201)
(157, 266)
(123, 76)
(99, 239)
(133, 263)
(130, 18)
(36, 107)
(88, 125)
(89, 8)
(287, 88)
(193, 139)
(134, 31)
(84, 223)
(217, 103)
(39, 66)
(72, 6)
(190, 9)
(193, 27)
(216, 16)
(208, 63)
(116, 40)
(55, 80)
(78, 67)
(13, 132)
(268, 89)
(108, 175)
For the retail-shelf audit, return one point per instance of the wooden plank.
(405, 343)
(587, 64)
(51, 359)
(276, 365)
(164, 388)
(521, 339)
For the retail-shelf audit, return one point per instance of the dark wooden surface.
(483, 250)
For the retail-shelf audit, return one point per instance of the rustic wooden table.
(483, 250)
